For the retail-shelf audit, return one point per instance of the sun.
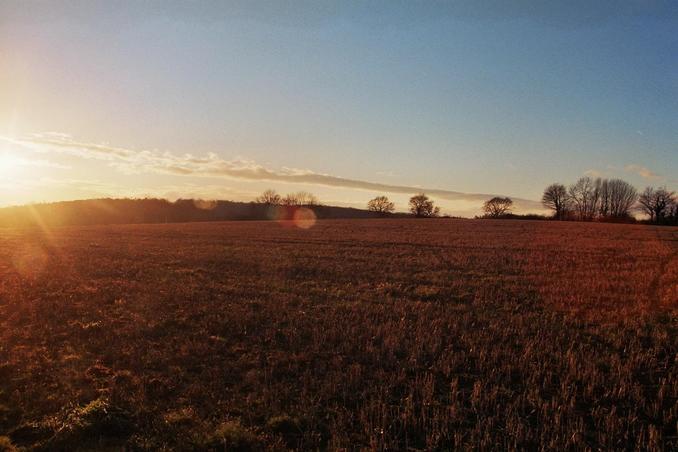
(9, 163)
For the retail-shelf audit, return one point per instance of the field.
(353, 334)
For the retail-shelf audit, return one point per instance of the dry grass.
(370, 334)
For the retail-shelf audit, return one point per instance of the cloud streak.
(642, 171)
(211, 165)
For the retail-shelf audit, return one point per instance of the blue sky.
(488, 97)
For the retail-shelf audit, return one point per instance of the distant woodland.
(135, 211)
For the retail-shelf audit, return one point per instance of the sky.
(347, 100)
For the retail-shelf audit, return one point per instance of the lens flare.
(293, 216)
(304, 218)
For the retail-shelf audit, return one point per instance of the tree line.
(300, 198)
(601, 200)
(587, 199)
(151, 210)
(420, 205)
(591, 199)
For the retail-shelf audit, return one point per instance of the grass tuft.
(97, 424)
(6, 444)
(232, 436)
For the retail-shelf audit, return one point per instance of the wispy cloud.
(642, 171)
(211, 165)
(638, 170)
(593, 173)
(86, 185)
(40, 163)
(20, 161)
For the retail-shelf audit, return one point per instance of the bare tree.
(657, 203)
(290, 199)
(422, 206)
(380, 204)
(556, 198)
(671, 216)
(307, 199)
(598, 186)
(584, 195)
(497, 206)
(269, 197)
(604, 198)
(300, 198)
(620, 196)
(646, 202)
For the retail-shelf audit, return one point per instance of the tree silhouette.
(556, 198)
(300, 198)
(422, 206)
(584, 195)
(657, 203)
(269, 196)
(497, 206)
(589, 199)
(380, 204)
(617, 199)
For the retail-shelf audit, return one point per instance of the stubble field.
(354, 334)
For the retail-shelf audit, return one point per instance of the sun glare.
(9, 163)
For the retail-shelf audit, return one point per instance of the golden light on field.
(30, 261)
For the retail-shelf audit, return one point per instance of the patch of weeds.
(94, 425)
(30, 433)
(6, 444)
(289, 428)
(8, 417)
(184, 417)
(232, 436)
(183, 429)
